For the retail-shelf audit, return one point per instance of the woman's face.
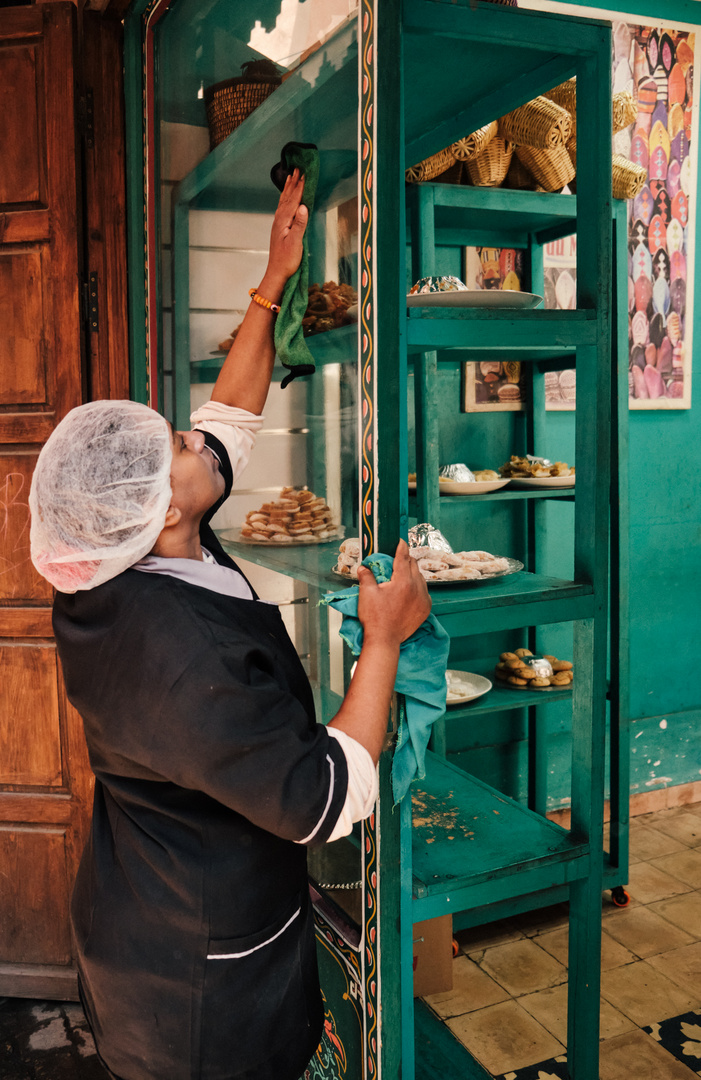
(195, 478)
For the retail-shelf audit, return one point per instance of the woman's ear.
(173, 516)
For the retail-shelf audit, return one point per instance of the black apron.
(191, 909)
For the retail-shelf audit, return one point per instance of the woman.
(191, 910)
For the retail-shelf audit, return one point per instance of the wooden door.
(44, 774)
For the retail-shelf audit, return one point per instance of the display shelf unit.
(401, 82)
(526, 220)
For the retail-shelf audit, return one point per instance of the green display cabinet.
(378, 86)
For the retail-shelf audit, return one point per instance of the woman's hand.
(390, 612)
(289, 224)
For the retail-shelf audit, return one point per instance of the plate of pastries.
(537, 472)
(294, 516)
(525, 670)
(438, 567)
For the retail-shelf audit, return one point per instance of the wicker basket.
(468, 148)
(539, 123)
(565, 95)
(625, 110)
(431, 167)
(551, 168)
(628, 179)
(229, 102)
(571, 148)
(518, 176)
(490, 167)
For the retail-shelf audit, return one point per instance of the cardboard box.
(433, 956)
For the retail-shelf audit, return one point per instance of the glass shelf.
(516, 600)
(231, 176)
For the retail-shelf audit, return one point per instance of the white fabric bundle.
(100, 493)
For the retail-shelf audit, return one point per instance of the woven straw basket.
(625, 110)
(229, 102)
(468, 148)
(571, 148)
(518, 176)
(565, 95)
(628, 178)
(551, 168)
(431, 167)
(539, 123)
(490, 167)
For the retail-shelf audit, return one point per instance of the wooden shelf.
(466, 836)
(500, 217)
(473, 64)
(460, 502)
(499, 699)
(535, 334)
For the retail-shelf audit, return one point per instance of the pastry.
(296, 515)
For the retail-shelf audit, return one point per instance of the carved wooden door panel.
(44, 774)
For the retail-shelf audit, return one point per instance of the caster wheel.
(620, 897)
(456, 947)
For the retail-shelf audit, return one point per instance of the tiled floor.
(509, 999)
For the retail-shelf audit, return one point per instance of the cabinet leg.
(584, 976)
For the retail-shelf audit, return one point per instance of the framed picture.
(493, 385)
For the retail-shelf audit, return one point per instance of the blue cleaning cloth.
(420, 678)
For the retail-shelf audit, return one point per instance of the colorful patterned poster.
(656, 63)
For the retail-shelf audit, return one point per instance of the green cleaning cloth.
(289, 338)
(420, 681)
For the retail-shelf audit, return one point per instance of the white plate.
(456, 487)
(470, 487)
(514, 567)
(541, 689)
(543, 481)
(475, 298)
(235, 535)
(472, 685)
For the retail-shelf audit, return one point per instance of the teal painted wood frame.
(383, 501)
(593, 356)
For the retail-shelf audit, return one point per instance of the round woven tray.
(551, 168)
(628, 179)
(490, 167)
(539, 123)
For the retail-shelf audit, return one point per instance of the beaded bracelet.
(262, 302)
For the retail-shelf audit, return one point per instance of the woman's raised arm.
(244, 379)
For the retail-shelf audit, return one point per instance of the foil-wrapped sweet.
(458, 472)
(540, 664)
(427, 535)
(447, 283)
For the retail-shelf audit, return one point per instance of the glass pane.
(215, 212)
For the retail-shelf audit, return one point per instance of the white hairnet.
(100, 492)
